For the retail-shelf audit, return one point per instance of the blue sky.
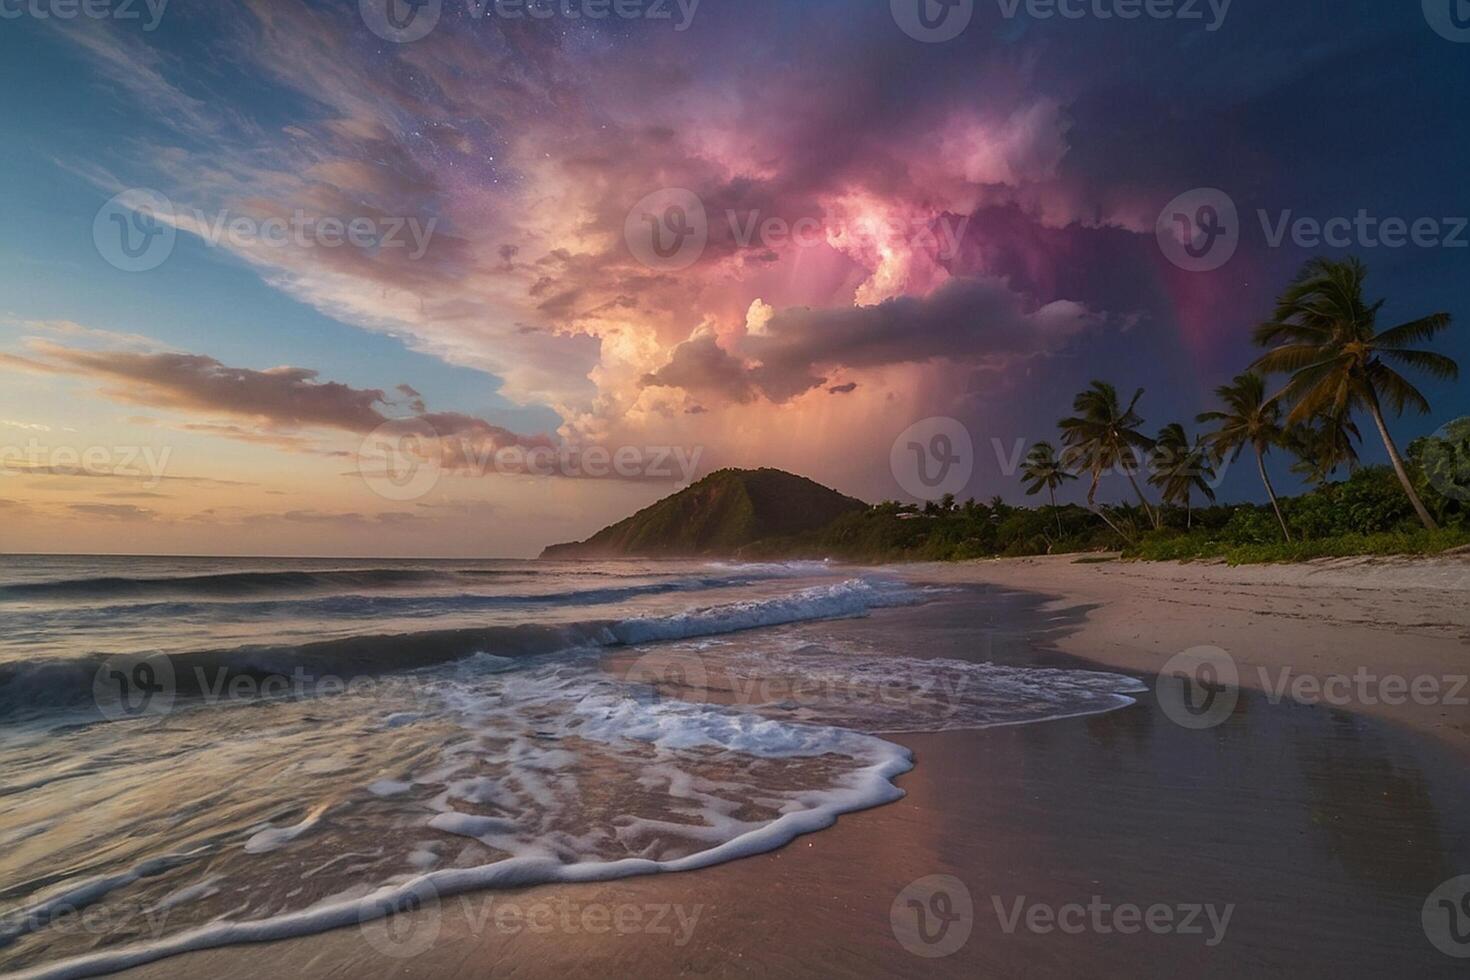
(532, 319)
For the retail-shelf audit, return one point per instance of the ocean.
(202, 752)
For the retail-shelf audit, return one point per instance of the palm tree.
(1046, 472)
(1251, 420)
(1323, 446)
(1327, 338)
(1103, 435)
(1180, 468)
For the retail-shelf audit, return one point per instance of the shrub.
(1250, 525)
(1314, 515)
(1372, 500)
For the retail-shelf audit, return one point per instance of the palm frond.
(1431, 363)
(1414, 332)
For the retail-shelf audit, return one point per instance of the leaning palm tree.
(1249, 419)
(1045, 472)
(1181, 467)
(1326, 337)
(1103, 435)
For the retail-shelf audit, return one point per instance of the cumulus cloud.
(971, 321)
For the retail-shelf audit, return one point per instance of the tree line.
(1326, 363)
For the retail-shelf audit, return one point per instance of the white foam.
(193, 893)
(869, 787)
(530, 734)
(480, 790)
(854, 597)
(389, 787)
(469, 825)
(275, 838)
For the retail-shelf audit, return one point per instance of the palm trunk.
(1188, 514)
(1398, 463)
(1092, 503)
(1271, 492)
(1153, 518)
(1055, 513)
(1116, 530)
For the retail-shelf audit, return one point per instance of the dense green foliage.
(1367, 513)
(944, 531)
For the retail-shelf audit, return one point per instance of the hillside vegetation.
(718, 516)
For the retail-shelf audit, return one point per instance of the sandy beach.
(1386, 616)
(1294, 838)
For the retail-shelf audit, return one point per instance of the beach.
(1314, 832)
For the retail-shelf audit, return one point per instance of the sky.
(282, 277)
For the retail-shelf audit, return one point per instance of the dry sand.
(1377, 616)
(1323, 829)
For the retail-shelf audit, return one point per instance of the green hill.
(717, 516)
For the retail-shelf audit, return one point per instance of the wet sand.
(1321, 829)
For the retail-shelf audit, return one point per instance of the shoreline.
(1400, 617)
(1323, 829)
